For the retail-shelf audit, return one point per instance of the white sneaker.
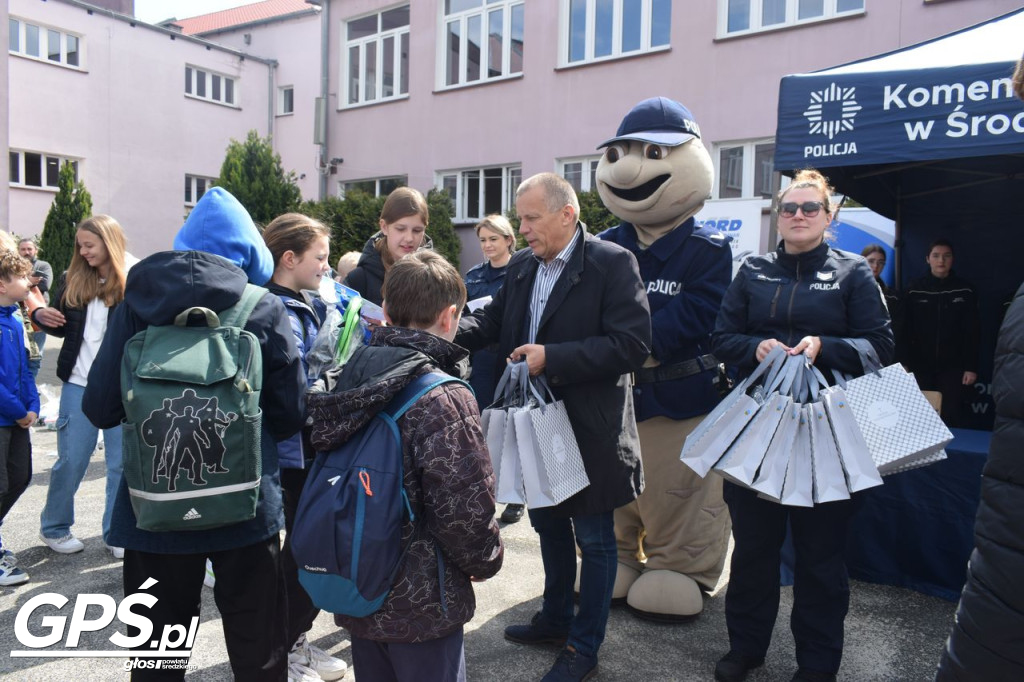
(209, 579)
(326, 666)
(68, 544)
(300, 673)
(118, 552)
(10, 574)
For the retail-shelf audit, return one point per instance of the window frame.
(282, 100)
(483, 11)
(16, 45)
(209, 84)
(192, 181)
(646, 28)
(401, 180)
(747, 169)
(588, 180)
(511, 178)
(44, 157)
(829, 13)
(378, 39)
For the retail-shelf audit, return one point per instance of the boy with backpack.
(451, 536)
(217, 354)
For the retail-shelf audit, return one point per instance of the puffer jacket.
(824, 292)
(985, 644)
(939, 325)
(72, 331)
(448, 479)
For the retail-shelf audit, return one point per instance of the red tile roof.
(257, 11)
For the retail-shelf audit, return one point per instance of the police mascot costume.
(655, 175)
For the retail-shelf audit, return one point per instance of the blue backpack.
(347, 535)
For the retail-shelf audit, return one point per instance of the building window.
(483, 40)
(744, 169)
(377, 56)
(478, 192)
(210, 86)
(37, 169)
(375, 187)
(285, 100)
(195, 188)
(580, 172)
(749, 16)
(44, 43)
(596, 30)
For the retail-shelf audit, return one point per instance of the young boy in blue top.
(19, 401)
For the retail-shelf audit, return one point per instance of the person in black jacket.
(940, 326)
(808, 298)
(217, 252)
(403, 226)
(574, 308)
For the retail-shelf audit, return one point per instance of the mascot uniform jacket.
(699, 262)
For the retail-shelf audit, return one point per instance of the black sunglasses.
(809, 208)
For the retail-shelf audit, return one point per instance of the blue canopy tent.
(931, 136)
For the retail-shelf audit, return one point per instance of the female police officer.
(806, 297)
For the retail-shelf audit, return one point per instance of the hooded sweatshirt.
(160, 287)
(448, 479)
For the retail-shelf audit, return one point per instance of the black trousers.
(15, 466)
(301, 612)
(250, 595)
(821, 591)
(436, 660)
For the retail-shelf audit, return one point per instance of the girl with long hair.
(93, 284)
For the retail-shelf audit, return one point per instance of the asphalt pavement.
(892, 634)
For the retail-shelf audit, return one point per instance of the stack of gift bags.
(787, 434)
(536, 459)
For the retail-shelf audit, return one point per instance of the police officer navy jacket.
(824, 292)
(699, 263)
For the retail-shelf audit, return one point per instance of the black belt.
(679, 370)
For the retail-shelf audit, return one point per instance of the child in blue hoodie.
(19, 401)
(217, 252)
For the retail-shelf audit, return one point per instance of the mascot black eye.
(615, 152)
(655, 151)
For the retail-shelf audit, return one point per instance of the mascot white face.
(655, 173)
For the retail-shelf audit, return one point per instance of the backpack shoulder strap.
(421, 385)
(238, 314)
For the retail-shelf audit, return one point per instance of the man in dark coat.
(575, 310)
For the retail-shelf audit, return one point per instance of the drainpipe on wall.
(321, 108)
(271, 97)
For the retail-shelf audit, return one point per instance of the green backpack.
(191, 433)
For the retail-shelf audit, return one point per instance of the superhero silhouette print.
(187, 432)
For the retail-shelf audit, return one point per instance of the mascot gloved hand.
(655, 175)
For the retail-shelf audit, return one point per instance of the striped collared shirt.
(547, 275)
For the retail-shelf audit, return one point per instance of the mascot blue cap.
(657, 120)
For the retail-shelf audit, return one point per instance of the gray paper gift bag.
(827, 470)
(743, 458)
(508, 472)
(552, 465)
(854, 455)
(499, 430)
(900, 427)
(707, 443)
(772, 474)
(798, 489)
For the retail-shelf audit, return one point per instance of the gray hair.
(557, 191)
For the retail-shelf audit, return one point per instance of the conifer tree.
(72, 205)
(252, 172)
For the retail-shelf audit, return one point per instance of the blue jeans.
(76, 441)
(595, 535)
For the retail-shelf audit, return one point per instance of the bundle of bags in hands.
(785, 433)
(536, 458)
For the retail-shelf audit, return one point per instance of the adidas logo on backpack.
(347, 535)
(191, 434)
